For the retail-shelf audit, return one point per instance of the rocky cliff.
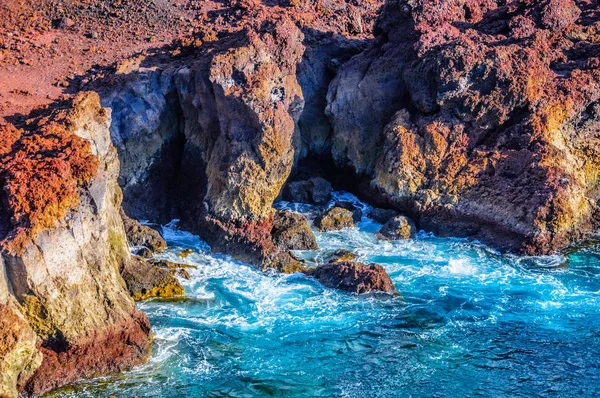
(64, 304)
(479, 118)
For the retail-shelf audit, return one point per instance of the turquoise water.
(470, 322)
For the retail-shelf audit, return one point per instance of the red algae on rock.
(41, 169)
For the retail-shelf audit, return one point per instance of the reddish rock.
(354, 277)
(490, 113)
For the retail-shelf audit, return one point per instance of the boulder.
(333, 219)
(291, 231)
(399, 227)
(313, 191)
(354, 277)
(142, 235)
(356, 211)
(146, 281)
(381, 215)
(340, 255)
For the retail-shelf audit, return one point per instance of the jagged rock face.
(491, 120)
(145, 280)
(63, 275)
(291, 231)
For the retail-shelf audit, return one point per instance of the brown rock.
(142, 235)
(399, 227)
(340, 255)
(356, 211)
(146, 281)
(354, 277)
(334, 219)
(291, 231)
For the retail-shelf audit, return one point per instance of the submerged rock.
(291, 231)
(146, 281)
(399, 227)
(334, 219)
(354, 277)
(381, 215)
(142, 235)
(316, 190)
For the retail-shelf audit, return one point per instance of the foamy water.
(469, 322)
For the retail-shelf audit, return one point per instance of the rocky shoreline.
(475, 119)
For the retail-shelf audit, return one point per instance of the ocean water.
(469, 322)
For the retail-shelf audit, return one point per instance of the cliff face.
(478, 118)
(61, 255)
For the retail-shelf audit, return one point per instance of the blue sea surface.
(468, 322)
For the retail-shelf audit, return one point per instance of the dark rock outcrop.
(399, 227)
(142, 235)
(354, 277)
(145, 280)
(313, 191)
(356, 211)
(382, 215)
(334, 219)
(478, 118)
(291, 231)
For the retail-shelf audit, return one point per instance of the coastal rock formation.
(382, 215)
(316, 190)
(142, 235)
(145, 280)
(356, 211)
(340, 255)
(354, 277)
(63, 243)
(478, 118)
(291, 231)
(334, 219)
(399, 227)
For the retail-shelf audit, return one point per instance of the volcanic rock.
(356, 211)
(146, 281)
(334, 219)
(313, 191)
(399, 227)
(68, 214)
(291, 231)
(142, 235)
(478, 119)
(354, 277)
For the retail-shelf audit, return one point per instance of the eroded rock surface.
(354, 277)
(479, 118)
(145, 280)
(142, 235)
(315, 190)
(291, 231)
(396, 228)
(334, 219)
(63, 244)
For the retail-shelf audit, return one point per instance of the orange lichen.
(40, 171)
